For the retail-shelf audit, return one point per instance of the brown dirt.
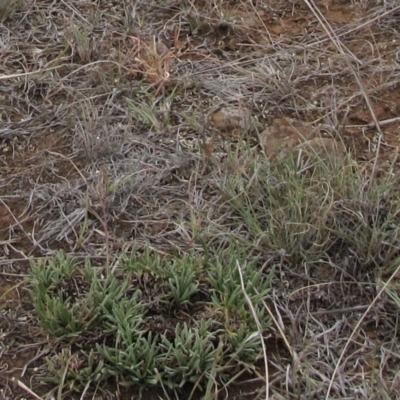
(309, 82)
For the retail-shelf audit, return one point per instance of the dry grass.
(108, 144)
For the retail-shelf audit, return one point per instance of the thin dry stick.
(24, 387)
(68, 159)
(39, 71)
(371, 125)
(16, 221)
(88, 208)
(259, 328)
(358, 27)
(356, 329)
(293, 354)
(340, 47)
(75, 12)
(255, 9)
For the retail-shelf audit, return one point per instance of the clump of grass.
(308, 212)
(81, 42)
(153, 321)
(314, 217)
(8, 7)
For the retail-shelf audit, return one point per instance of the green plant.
(190, 357)
(144, 113)
(82, 42)
(133, 353)
(131, 18)
(61, 317)
(67, 298)
(73, 371)
(133, 364)
(48, 272)
(182, 281)
(71, 298)
(227, 294)
(60, 312)
(125, 320)
(143, 261)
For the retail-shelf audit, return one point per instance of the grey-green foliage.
(133, 353)
(75, 370)
(283, 208)
(146, 261)
(73, 299)
(62, 317)
(182, 280)
(48, 272)
(124, 318)
(133, 363)
(227, 293)
(58, 313)
(105, 293)
(177, 278)
(8, 7)
(67, 314)
(190, 357)
(310, 212)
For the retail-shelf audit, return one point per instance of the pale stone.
(229, 119)
(285, 135)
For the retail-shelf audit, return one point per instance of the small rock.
(285, 135)
(323, 147)
(230, 119)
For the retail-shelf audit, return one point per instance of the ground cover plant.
(199, 199)
(147, 320)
